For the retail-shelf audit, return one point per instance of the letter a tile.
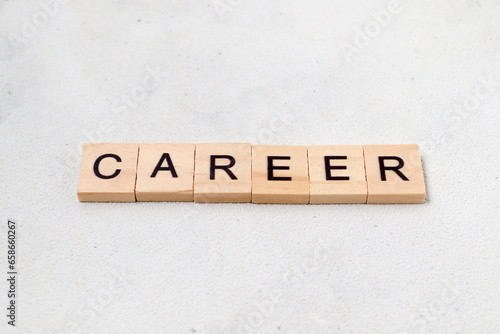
(165, 173)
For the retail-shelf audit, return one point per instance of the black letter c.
(98, 161)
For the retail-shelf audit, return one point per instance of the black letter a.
(170, 166)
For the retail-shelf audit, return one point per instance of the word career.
(239, 173)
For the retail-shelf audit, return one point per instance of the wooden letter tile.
(165, 173)
(394, 174)
(108, 173)
(280, 175)
(223, 173)
(337, 174)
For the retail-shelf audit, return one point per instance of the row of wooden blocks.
(241, 173)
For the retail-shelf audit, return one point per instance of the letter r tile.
(223, 173)
(108, 173)
(394, 174)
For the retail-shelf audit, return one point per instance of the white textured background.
(265, 72)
